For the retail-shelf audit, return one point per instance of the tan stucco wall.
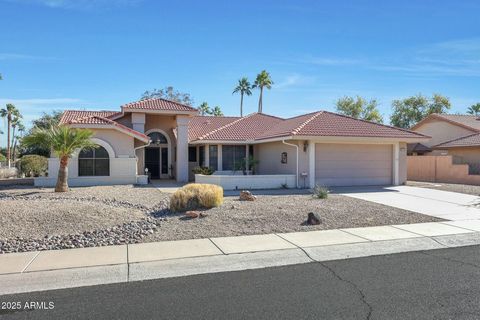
(468, 155)
(162, 122)
(121, 143)
(269, 156)
(441, 131)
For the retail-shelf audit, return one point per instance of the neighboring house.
(455, 135)
(170, 139)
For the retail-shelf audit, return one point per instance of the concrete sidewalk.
(55, 269)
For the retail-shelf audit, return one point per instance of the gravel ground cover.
(461, 188)
(284, 213)
(39, 219)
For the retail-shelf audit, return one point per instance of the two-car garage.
(341, 164)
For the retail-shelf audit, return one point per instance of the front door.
(152, 162)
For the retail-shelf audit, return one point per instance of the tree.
(263, 80)
(169, 93)
(244, 87)
(46, 121)
(216, 111)
(10, 112)
(64, 141)
(408, 111)
(204, 109)
(359, 108)
(474, 109)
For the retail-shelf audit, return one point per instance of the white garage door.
(353, 164)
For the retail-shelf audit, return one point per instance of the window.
(232, 156)
(213, 156)
(157, 138)
(201, 156)
(192, 154)
(93, 162)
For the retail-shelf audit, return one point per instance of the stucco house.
(166, 140)
(452, 134)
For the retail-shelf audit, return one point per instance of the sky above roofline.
(99, 55)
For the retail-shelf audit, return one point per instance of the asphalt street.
(436, 284)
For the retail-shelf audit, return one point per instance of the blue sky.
(99, 54)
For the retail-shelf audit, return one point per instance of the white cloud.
(20, 56)
(328, 61)
(294, 80)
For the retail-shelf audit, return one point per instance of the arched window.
(94, 162)
(157, 138)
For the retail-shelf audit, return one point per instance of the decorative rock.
(246, 195)
(203, 214)
(192, 214)
(313, 218)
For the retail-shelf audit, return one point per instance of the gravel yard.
(285, 213)
(39, 219)
(461, 188)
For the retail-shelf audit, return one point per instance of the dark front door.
(152, 162)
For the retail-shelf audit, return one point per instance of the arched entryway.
(157, 155)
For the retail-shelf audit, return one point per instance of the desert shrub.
(320, 192)
(3, 158)
(196, 196)
(33, 165)
(6, 173)
(203, 170)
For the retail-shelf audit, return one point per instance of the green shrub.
(33, 165)
(2, 158)
(196, 196)
(203, 170)
(320, 192)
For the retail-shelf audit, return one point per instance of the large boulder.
(313, 218)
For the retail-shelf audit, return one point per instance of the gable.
(441, 131)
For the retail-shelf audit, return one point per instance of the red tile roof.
(201, 125)
(158, 104)
(472, 140)
(94, 119)
(69, 115)
(468, 121)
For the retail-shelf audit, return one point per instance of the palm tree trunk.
(12, 149)
(260, 100)
(62, 180)
(241, 105)
(9, 120)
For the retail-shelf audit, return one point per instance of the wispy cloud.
(20, 56)
(329, 61)
(294, 80)
(78, 4)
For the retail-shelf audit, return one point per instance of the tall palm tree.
(263, 80)
(64, 141)
(10, 112)
(244, 87)
(16, 138)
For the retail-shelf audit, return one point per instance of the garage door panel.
(353, 164)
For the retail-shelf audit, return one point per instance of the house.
(166, 140)
(452, 134)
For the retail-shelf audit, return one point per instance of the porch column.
(207, 156)
(247, 156)
(311, 164)
(396, 163)
(220, 158)
(138, 122)
(182, 148)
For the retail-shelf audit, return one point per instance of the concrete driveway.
(436, 203)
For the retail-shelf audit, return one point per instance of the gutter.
(138, 148)
(296, 175)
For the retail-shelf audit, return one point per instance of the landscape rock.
(313, 218)
(192, 214)
(246, 195)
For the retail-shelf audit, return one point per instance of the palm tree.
(474, 109)
(10, 112)
(204, 109)
(216, 111)
(244, 87)
(263, 80)
(64, 141)
(16, 138)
